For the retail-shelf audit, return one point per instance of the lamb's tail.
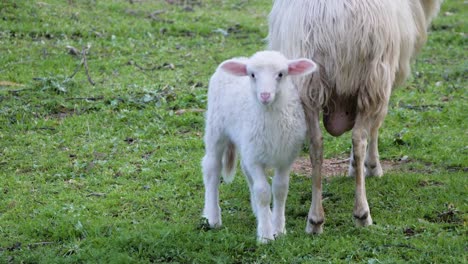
(229, 162)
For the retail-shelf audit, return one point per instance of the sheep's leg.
(352, 164)
(250, 183)
(262, 199)
(372, 163)
(316, 215)
(211, 165)
(361, 210)
(280, 193)
(372, 166)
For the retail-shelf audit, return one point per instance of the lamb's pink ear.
(234, 67)
(301, 67)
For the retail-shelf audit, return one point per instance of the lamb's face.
(267, 82)
(267, 71)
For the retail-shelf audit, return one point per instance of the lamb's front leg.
(262, 200)
(250, 183)
(280, 193)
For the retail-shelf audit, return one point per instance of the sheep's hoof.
(314, 227)
(363, 220)
(374, 171)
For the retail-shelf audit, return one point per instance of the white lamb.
(254, 107)
(363, 49)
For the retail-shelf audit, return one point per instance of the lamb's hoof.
(264, 240)
(215, 226)
(206, 223)
(280, 233)
(314, 227)
(363, 220)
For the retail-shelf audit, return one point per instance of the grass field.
(101, 125)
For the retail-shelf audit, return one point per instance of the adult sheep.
(363, 49)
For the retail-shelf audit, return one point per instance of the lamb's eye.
(280, 75)
(252, 75)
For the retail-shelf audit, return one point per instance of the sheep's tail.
(229, 163)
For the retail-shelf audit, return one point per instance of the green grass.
(111, 173)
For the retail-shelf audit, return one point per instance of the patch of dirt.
(335, 166)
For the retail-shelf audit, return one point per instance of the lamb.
(253, 107)
(363, 49)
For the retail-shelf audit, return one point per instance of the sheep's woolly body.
(363, 47)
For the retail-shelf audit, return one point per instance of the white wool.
(359, 44)
(270, 135)
(267, 133)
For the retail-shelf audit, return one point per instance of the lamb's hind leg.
(361, 210)
(211, 166)
(316, 216)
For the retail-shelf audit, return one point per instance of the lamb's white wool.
(363, 49)
(254, 107)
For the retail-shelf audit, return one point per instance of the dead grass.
(336, 166)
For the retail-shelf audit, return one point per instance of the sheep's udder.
(339, 115)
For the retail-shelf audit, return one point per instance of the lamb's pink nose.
(265, 96)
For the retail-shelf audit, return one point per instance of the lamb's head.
(268, 71)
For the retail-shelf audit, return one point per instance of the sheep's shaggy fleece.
(340, 35)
